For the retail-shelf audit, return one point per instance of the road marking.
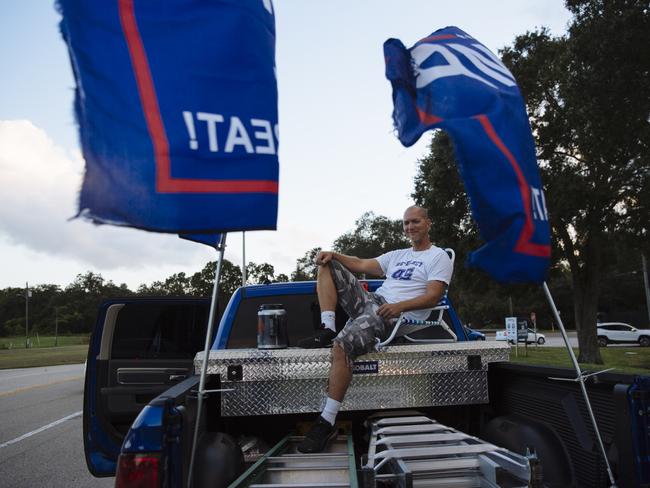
(27, 388)
(41, 429)
(72, 369)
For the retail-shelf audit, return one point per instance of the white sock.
(328, 319)
(330, 410)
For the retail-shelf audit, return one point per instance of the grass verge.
(630, 360)
(42, 356)
(18, 342)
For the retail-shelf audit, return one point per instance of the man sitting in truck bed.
(415, 281)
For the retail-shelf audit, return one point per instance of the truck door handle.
(173, 377)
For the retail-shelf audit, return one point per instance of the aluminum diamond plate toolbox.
(266, 382)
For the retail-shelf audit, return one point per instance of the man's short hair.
(421, 209)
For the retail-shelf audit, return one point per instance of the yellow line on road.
(32, 387)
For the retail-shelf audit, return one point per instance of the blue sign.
(451, 81)
(176, 104)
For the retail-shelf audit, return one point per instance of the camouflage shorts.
(364, 325)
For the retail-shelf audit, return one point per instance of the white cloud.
(39, 187)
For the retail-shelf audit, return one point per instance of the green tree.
(261, 274)
(82, 298)
(588, 95)
(372, 236)
(230, 279)
(281, 278)
(306, 268)
(477, 298)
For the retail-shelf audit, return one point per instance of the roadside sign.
(522, 330)
(511, 328)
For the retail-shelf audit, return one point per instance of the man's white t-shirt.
(408, 272)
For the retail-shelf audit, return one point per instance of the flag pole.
(221, 247)
(580, 379)
(243, 263)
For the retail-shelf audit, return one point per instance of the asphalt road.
(554, 339)
(40, 429)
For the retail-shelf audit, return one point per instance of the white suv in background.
(619, 333)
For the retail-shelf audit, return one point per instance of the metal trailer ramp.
(416, 451)
(284, 467)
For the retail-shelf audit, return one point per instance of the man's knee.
(339, 356)
(324, 268)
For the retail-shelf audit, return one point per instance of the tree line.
(72, 309)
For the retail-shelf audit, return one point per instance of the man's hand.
(389, 310)
(324, 257)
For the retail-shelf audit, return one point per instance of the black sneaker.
(317, 437)
(322, 338)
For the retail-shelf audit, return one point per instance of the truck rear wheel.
(219, 461)
(644, 341)
(518, 433)
(602, 341)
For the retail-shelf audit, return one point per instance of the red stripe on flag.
(524, 244)
(149, 101)
(146, 90)
(427, 118)
(439, 37)
(184, 185)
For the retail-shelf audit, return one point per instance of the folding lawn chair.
(405, 327)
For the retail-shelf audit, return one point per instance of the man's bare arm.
(353, 263)
(435, 290)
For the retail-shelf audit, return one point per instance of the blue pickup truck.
(140, 404)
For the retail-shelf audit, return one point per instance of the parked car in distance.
(532, 337)
(620, 333)
(473, 334)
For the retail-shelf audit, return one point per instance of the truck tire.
(517, 433)
(219, 461)
(644, 341)
(602, 341)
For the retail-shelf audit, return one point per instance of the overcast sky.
(338, 154)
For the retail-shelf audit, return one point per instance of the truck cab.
(138, 350)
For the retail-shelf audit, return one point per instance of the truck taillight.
(137, 471)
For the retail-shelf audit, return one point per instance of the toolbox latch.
(474, 362)
(235, 372)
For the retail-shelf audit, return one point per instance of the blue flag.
(451, 81)
(212, 240)
(176, 104)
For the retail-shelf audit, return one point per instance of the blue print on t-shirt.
(403, 274)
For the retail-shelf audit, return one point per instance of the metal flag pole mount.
(580, 378)
(221, 247)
